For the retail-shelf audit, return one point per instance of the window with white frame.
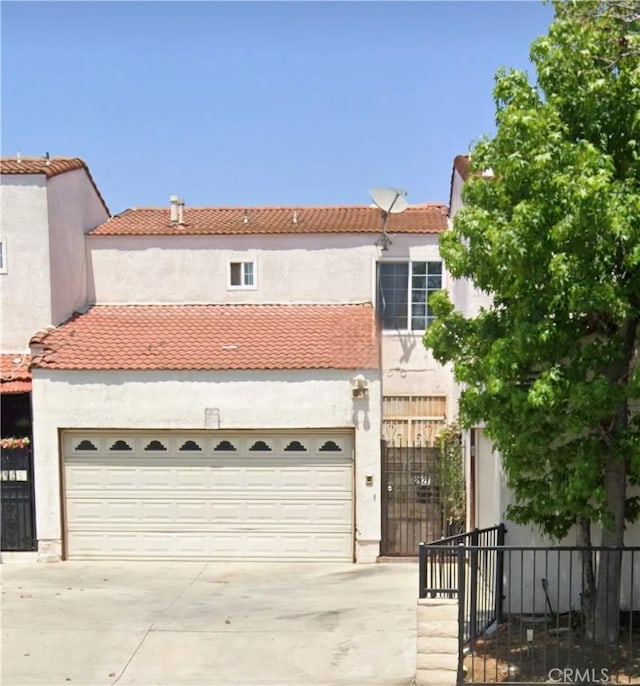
(242, 274)
(403, 293)
(3, 256)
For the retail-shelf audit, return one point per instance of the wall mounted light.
(359, 387)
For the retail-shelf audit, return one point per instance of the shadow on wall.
(360, 415)
(408, 343)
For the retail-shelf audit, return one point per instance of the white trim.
(410, 262)
(4, 267)
(243, 262)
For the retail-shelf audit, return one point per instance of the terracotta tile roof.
(462, 164)
(40, 165)
(49, 167)
(428, 218)
(213, 337)
(15, 376)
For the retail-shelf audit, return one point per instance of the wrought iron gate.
(414, 492)
(17, 506)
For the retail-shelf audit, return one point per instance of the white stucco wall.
(316, 268)
(488, 481)
(43, 223)
(25, 292)
(73, 209)
(177, 400)
(410, 369)
(455, 203)
(523, 574)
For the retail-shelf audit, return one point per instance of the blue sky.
(258, 103)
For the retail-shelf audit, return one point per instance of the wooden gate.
(17, 508)
(413, 498)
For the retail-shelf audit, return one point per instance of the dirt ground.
(552, 650)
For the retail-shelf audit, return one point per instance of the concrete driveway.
(88, 624)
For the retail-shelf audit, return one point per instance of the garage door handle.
(390, 488)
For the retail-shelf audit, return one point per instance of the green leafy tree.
(451, 478)
(551, 231)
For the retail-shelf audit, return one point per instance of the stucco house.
(488, 493)
(47, 207)
(220, 383)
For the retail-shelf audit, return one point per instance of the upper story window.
(403, 291)
(3, 256)
(242, 274)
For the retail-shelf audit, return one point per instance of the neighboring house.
(48, 205)
(225, 382)
(488, 494)
(482, 465)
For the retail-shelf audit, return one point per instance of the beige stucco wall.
(177, 400)
(25, 293)
(73, 209)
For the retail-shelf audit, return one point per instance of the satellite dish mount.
(390, 201)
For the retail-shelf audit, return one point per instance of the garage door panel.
(308, 480)
(194, 511)
(152, 478)
(327, 478)
(184, 514)
(122, 477)
(82, 477)
(162, 545)
(293, 501)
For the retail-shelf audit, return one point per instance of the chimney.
(177, 210)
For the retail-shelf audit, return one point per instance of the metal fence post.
(461, 613)
(473, 597)
(422, 570)
(499, 594)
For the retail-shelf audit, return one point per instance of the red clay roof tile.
(47, 166)
(15, 376)
(428, 218)
(213, 337)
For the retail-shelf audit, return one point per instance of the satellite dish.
(389, 200)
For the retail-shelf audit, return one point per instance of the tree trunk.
(607, 618)
(588, 597)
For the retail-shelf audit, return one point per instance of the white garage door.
(208, 495)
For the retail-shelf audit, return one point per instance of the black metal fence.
(472, 561)
(547, 626)
(420, 499)
(17, 515)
